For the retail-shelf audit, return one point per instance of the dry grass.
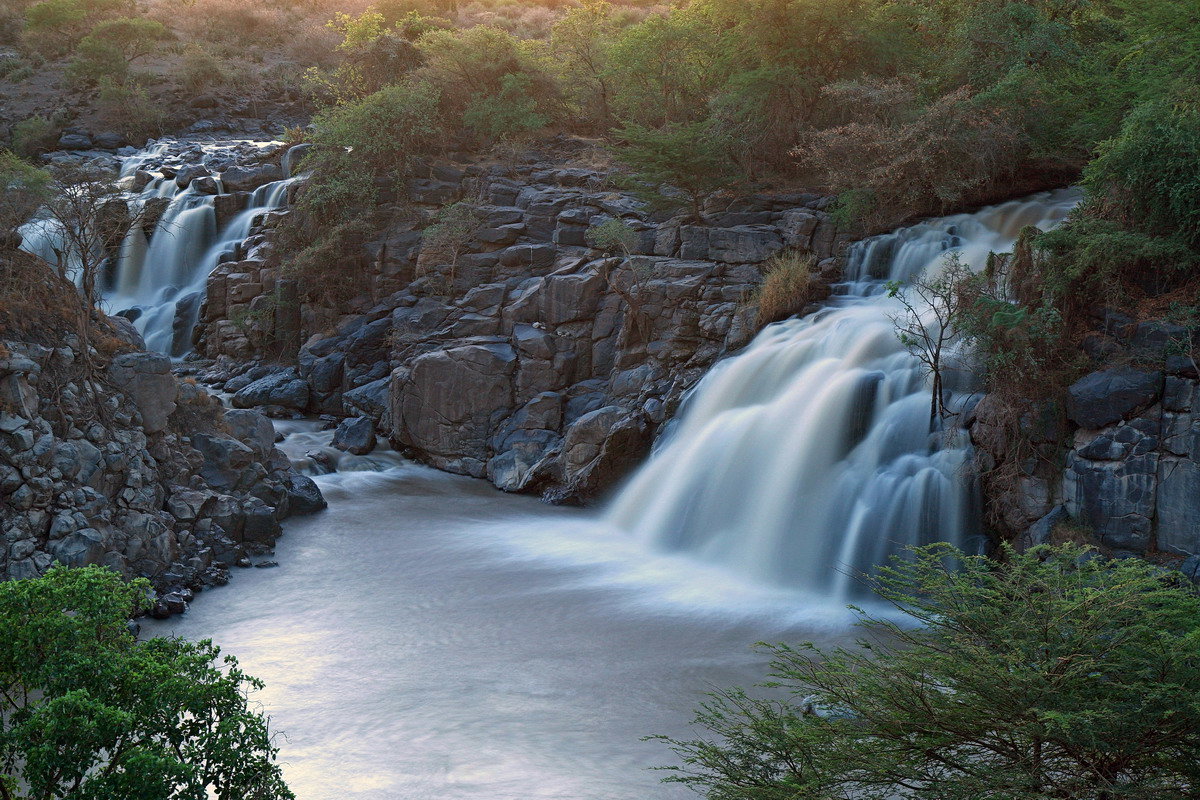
(786, 287)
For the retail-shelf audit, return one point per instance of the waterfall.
(158, 280)
(808, 458)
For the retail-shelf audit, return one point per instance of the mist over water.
(809, 458)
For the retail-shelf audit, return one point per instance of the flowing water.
(158, 278)
(429, 638)
(810, 457)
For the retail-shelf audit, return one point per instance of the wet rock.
(355, 436)
(284, 389)
(245, 179)
(304, 496)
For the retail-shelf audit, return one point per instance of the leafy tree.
(444, 242)
(86, 711)
(1049, 675)
(113, 45)
(33, 136)
(23, 189)
(580, 42)
(509, 113)
(54, 27)
(691, 157)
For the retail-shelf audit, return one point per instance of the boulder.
(601, 448)
(109, 140)
(246, 179)
(75, 141)
(147, 380)
(285, 388)
(355, 436)
(1105, 397)
(304, 497)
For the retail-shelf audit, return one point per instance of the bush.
(112, 46)
(509, 114)
(200, 71)
(910, 158)
(33, 136)
(23, 188)
(1048, 675)
(786, 287)
(690, 157)
(54, 27)
(89, 711)
(128, 109)
(1149, 175)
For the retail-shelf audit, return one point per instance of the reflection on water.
(431, 638)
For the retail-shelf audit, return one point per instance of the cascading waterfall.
(158, 280)
(808, 458)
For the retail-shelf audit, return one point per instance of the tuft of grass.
(786, 287)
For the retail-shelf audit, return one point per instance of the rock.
(204, 101)
(185, 176)
(303, 495)
(371, 399)
(75, 141)
(109, 140)
(147, 380)
(226, 461)
(1040, 531)
(600, 447)
(252, 429)
(245, 179)
(283, 388)
(1102, 398)
(78, 549)
(355, 436)
(205, 184)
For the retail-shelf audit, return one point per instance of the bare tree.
(92, 218)
(932, 306)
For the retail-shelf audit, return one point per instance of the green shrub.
(54, 27)
(23, 189)
(689, 157)
(200, 71)
(33, 136)
(1049, 674)
(86, 710)
(615, 236)
(510, 113)
(128, 109)
(1151, 171)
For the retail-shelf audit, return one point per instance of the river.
(429, 637)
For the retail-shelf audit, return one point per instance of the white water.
(809, 458)
(430, 638)
(159, 281)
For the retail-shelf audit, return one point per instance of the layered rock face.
(529, 358)
(1125, 462)
(133, 469)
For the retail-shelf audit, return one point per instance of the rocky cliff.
(118, 462)
(1121, 462)
(531, 358)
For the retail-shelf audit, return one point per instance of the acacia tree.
(927, 325)
(691, 157)
(89, 712)
(1050, 675)
(617, 237)
(23, 189)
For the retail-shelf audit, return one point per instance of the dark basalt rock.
(1103, 398)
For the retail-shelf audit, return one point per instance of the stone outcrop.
(1124, 462)
(133, 469)
(529, 358)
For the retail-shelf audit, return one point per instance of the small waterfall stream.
(808, 458)
(158, 280)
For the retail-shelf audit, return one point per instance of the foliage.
(200, 71)
(690, 157)
(113, 45)
(580, 42)
(1151, 170)
(90, 712)
(128, 109)
(1049, 675)
(613, 236)
(33, 136)
(907, 157)
(444, 241)
(54, 27)
(23, 189)
(508, 114)
(786, 287)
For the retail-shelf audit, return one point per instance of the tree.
(580, 41)
(691, 157)
(446, 240)
(90, 712)
(23, 189)
(113, 45)
(1049, 675)
(628, 275)
(927, 325)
